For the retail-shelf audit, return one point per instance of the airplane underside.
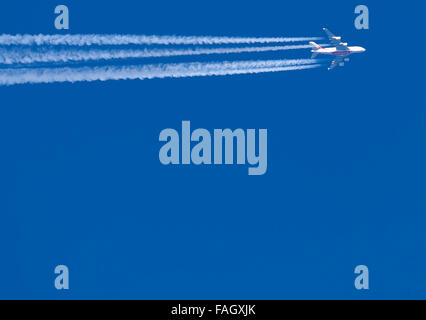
(340, 50)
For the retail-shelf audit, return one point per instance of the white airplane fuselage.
(333, 51)
(338, 50)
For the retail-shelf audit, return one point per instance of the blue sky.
(81, 183)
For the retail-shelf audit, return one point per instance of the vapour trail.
(179, 70)
(117, 39)
(27, 56)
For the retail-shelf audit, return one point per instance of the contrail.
(117, 39)
(27, 56)
(179, 70)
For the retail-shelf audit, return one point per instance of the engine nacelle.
(341, 64)
(337, 38)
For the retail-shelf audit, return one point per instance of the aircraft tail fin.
(315, 45)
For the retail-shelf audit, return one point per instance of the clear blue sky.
(81, 183)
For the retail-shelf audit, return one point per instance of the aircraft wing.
(342, 47)
(332, 38)
(335, 63)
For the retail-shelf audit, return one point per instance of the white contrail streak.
(117, 39)
(27, 56)
(180, 70)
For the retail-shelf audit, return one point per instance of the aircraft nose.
(363, 49)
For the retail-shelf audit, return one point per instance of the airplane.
(340, 50)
